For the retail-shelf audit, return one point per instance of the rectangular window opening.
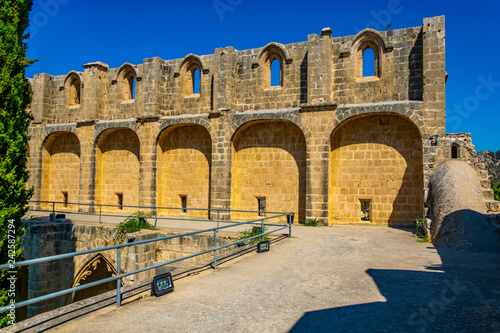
(65, 198)
(183, 202)
(365, 210)
(261, 201)
(120, 200)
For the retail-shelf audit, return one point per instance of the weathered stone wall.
(269, 162)
(61, 175)
(322, 85)
(184, 157)
(117, 169)
(376, 159)
(47, 239)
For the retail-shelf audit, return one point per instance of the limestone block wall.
(60, 177)
(184, 165)
(377, 159)
(269, 163)
(117, 170)
(146, 132)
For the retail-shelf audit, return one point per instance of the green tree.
(14, 121)
(496, 189)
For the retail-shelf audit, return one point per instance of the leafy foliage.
(134, 223)
(421, 233)
(251, 233)
(14, 121)
(496, 189)
(312, 222)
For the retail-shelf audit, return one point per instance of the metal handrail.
(118, 248)
(156, 208)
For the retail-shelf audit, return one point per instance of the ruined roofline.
(326, 33)
(322, 73)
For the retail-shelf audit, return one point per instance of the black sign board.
(162, 284)
(263, 246)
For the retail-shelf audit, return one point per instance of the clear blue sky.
(69, 33)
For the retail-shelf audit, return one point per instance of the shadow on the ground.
(461, 295)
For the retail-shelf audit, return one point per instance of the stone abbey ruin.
(213, 131)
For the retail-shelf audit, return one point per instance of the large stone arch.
(410, 111)
(183, 169)
(376, 158)
(268, 161)
(288, 116)
(190, 59)
(164, 123)
(117, 169)
(60, 157)
(100, 128)
(97, 268)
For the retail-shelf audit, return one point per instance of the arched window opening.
(196, 81)
(128, 86)
(368, 63)
(192, 79)
(454, 151)
(275, 73)
(368, 59)
(74, 92)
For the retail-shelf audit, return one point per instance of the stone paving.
(323, 279)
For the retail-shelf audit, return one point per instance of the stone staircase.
(491, 203)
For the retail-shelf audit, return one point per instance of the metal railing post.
(53, 207)
(156, 216)
(217, 218)
(262, 229)
(100, 211)
(215, 251)
(118, 282)
(289, 219)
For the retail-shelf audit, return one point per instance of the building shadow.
(416, 70)
(460, 295)
(44, 240)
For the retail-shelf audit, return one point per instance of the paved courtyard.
(324, 279)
